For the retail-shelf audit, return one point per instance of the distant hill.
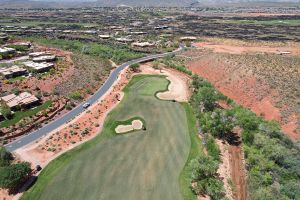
(113, 3)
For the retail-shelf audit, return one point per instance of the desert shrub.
(76, 95)
(212, 148)
(272, 159)
(170, 61)
(68, 106)
(135, 67)
(204, 174)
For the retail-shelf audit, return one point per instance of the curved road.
(27, 139)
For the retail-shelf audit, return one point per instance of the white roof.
(38, 66)
(6, 49)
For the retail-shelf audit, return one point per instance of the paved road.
(27, 139)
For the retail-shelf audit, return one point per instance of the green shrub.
(212, 148)
(5, 157)
(76, 95)
(204, 174)
(11, 176)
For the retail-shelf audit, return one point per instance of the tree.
(135, 67)
(5, 157)
(203, 167)
(204, 174)
(219, 123)
(12, 175)
(206, 98)
(6, 111)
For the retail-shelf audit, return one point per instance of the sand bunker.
(175, 89)
(135, 125)
(178, 88)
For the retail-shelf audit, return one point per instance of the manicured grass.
(195, 151)
(19, 115)
(143, 164)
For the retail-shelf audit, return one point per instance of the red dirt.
(244, 88)
(233, 49)
(238, 171)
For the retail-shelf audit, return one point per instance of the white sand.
(135, 125)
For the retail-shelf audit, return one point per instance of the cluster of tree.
(212, 121)
(272, 159)
(169, 62)
(205, 179)
(12, 175)
(117, 53)
(5, 110)
(135, 67)
(18, 47)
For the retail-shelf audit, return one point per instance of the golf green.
(143, 164)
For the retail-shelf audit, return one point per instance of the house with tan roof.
(24, 100)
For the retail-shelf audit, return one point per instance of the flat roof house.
(124, 40)
(188, 38)
(38, 54)
(24, 99)
(142, 44)
(7, 50)
(46, 58)
(38, 67)
(13, 71)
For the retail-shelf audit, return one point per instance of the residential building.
(38, 67)
(13, 71)
(24, 100)
(7, 50)
(142, 44)
(47, 58)
(38, 54)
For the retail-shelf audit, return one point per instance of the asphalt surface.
(31, 137)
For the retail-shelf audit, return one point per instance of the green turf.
(138, 165)
(19, 115)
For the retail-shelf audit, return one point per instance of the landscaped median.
(144, 163)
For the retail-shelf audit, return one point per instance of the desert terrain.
(255, 75)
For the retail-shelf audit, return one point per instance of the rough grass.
(138, 165)
(195, 151)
